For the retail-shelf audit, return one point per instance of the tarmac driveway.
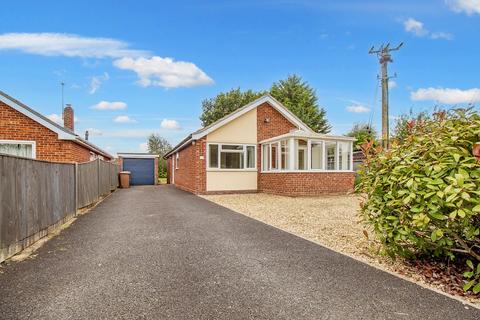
(161, 253)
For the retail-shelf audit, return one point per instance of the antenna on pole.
(384, 57)
(62, 84)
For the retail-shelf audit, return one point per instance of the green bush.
(422, 196)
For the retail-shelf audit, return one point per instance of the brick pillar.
(68, 117)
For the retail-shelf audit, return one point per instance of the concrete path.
(160, 253)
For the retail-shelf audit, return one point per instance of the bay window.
(231, 156)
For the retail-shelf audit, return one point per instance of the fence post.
(76, 186)
(98, 178)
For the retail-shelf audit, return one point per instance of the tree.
(301, 99)
(160, 146)
(363, 132)
(292, 92)
(225, 103)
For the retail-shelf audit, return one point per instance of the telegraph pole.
(384, 58)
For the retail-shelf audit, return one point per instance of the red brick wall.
(16, 126)
(278, 123)
(191, 173)
(169, 170)
(306, 183)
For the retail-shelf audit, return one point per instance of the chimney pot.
(68, 117)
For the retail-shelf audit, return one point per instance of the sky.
(132, 68)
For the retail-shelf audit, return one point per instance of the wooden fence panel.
(36, 196)
(87, 183)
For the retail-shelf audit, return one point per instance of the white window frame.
(28, 142)
(309, 159)
(244, 151)
(177, 157)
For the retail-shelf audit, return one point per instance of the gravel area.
(329, 220)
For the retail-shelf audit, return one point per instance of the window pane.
(331, 149)
(344, 156)
(14, 149)
(284, 154)
(250, 157)
(231, 160)
(232, 147)
(274, 149)
(266, 157)
(213, 156)
(317, 155)
(301, 154)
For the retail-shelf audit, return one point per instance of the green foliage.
(423, 194)
(160, 146)
(292, 92)
(364, 133)
(301, 99)
(401, 127)
(225, 103)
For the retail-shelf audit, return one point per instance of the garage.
(143, 167)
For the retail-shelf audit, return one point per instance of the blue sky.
(135, 67)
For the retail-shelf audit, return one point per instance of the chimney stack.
(86, 135)
(68, 118)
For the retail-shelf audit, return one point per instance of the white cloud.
(124, 119)
(56, 118)
(106, 105)
(94, 132)
(170, 124)
(97, 81)
(164, 72)
(416, 27)
(441, 35)
(358, 108)
(447, 95)
(392, 84)
(143, 147)
(69, 45)
(468, 6)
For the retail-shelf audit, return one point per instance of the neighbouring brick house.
(262, 147)
(25, 132)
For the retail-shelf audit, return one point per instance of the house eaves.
(62, 132)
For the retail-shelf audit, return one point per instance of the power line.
(384, 57)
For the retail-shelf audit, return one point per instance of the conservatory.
(300, 151)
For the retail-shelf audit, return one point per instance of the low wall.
(306, 183)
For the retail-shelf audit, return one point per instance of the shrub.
(422, 196)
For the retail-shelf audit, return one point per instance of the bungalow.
(26, 133)
(262, 147)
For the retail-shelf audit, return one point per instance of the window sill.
(232, 170)
(308, 171)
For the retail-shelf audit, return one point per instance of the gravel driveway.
(159, 253)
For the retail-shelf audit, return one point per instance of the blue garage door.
(142, 170)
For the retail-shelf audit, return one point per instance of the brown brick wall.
(16, 126)
(191, 174)
(306, 183)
